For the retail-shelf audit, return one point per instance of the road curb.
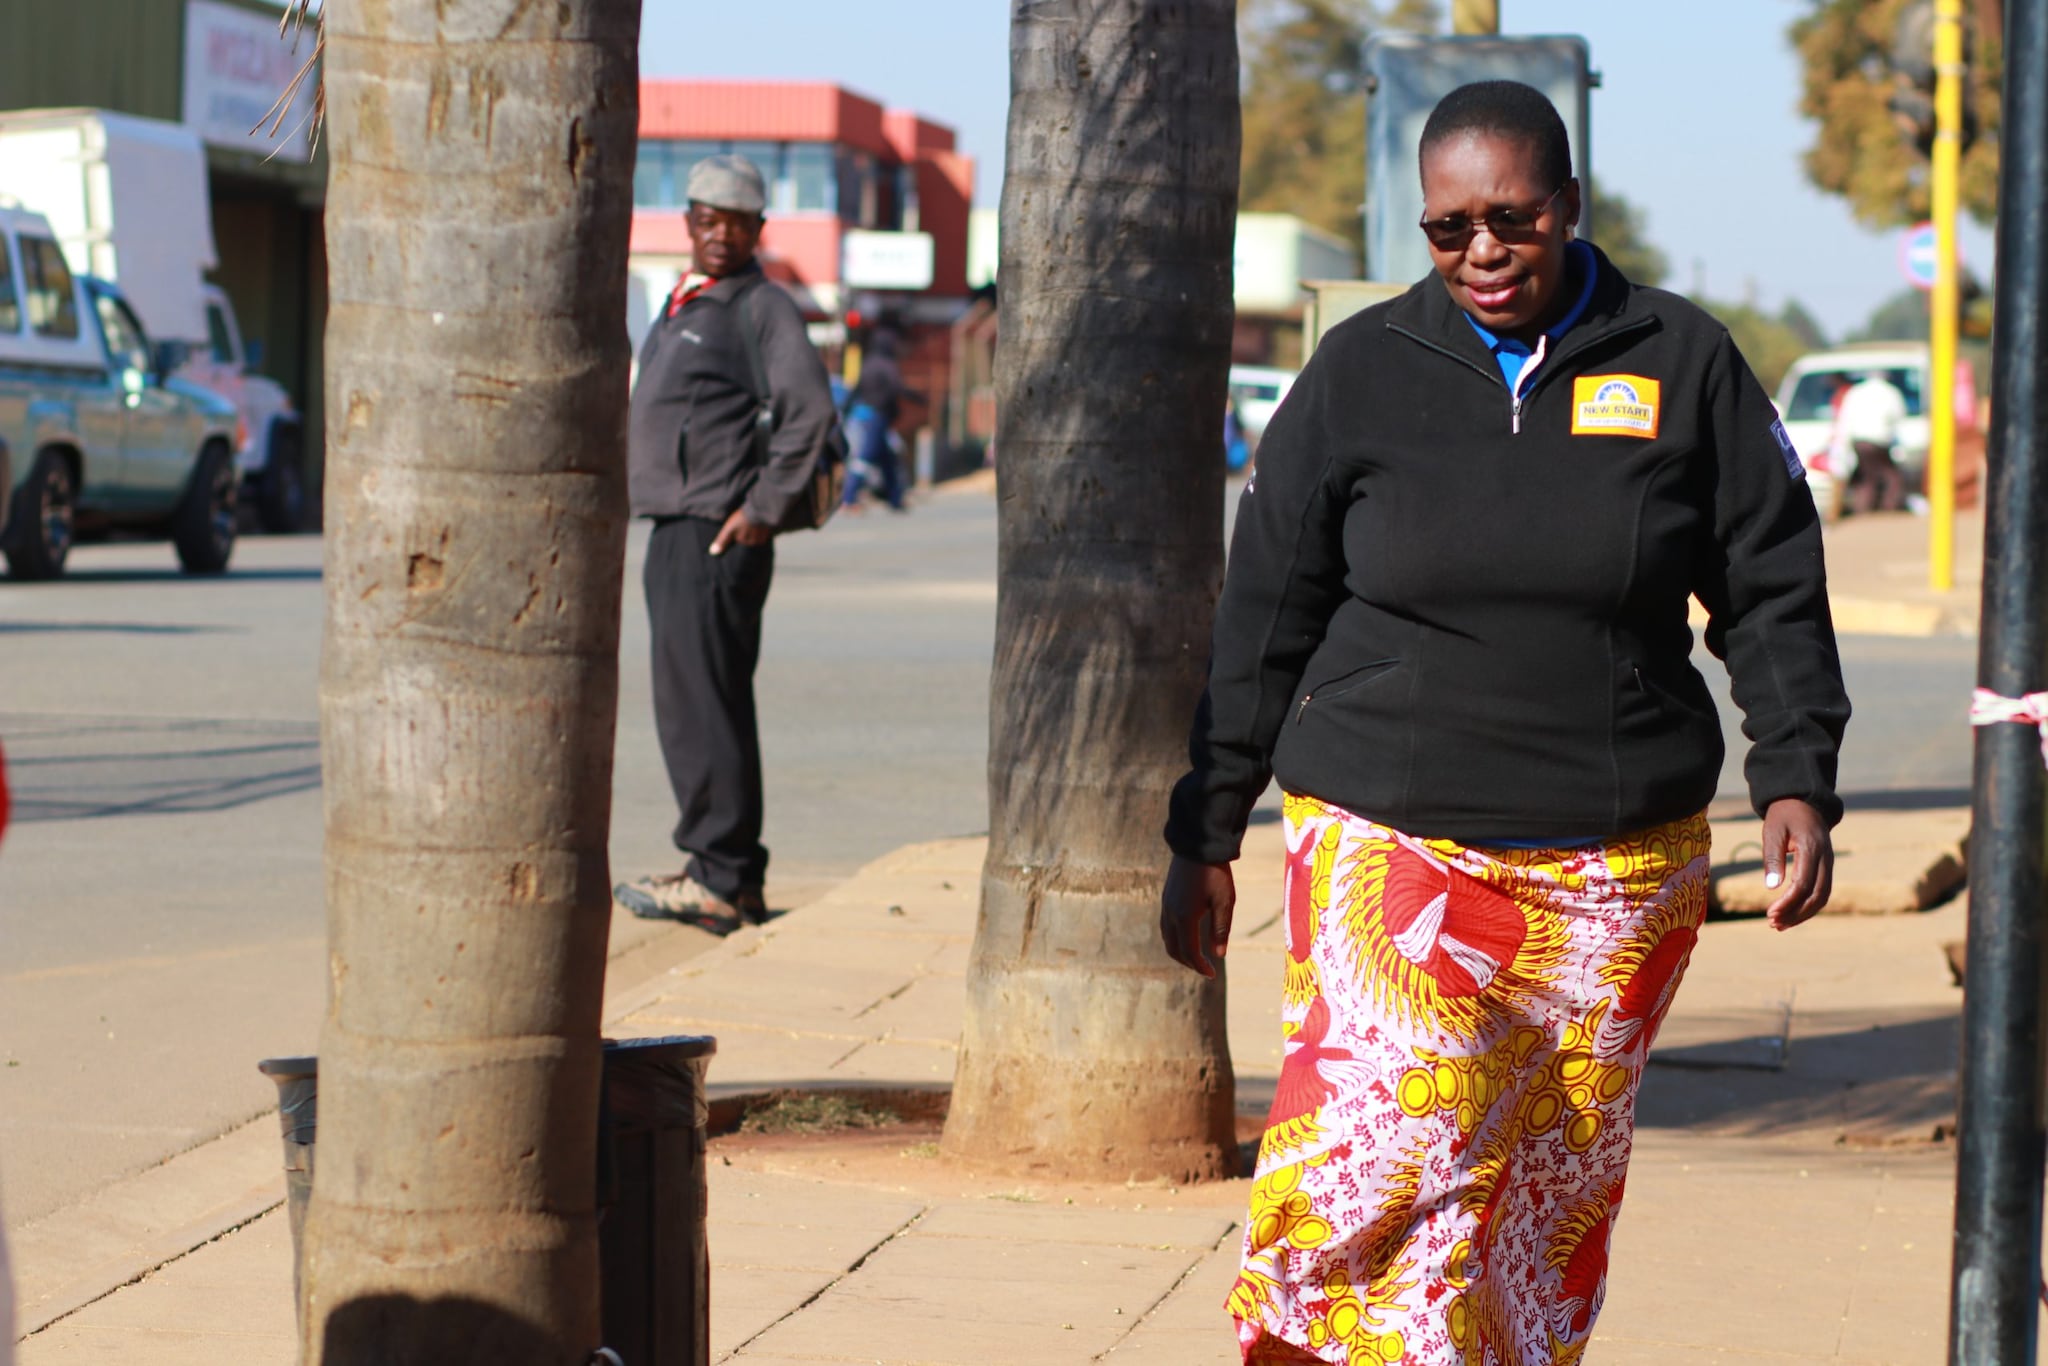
(131, 1227)
(1856, 616)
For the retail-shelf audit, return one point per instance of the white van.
(1806, 405)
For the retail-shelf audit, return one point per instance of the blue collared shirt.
(1512, 355)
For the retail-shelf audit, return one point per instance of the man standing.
(1869, 416)
(871, 415)
(717, 491)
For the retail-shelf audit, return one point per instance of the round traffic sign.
(1916, 255)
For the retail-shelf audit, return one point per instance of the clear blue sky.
(1697, 121)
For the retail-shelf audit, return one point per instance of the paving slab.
(898, 1062)
(1004, 1220)
(229, 1301)
(1815, 1253)
(125, 1229)
(843, 1324)
(930, 1009)
(775, 993)
(1189, 1327)
(1873, 1046)
(778, 1242)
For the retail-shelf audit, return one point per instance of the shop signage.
(885, 260)
(237, 64)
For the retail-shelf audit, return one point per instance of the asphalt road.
(161, 921)
(160, 896)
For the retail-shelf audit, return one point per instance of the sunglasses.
(1510, 227)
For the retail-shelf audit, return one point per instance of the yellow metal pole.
(1475, 16)
(1941, 408)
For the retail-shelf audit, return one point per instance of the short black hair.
(1504, 109)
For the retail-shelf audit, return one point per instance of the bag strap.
(750, 338)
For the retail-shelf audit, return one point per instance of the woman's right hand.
(1194, 913)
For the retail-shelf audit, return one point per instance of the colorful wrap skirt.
(1464, 1030)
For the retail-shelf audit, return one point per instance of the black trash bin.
(654, 1265)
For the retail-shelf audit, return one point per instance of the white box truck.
(127, 199)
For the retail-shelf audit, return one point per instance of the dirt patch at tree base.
(904, 1154)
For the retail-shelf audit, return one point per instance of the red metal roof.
(911, 135)
(768, 111)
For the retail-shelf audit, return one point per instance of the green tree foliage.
(1770, 342)
(1304, 104)
(1904, 315)
(1859, 152)
(1803, 324)
(1622, 231)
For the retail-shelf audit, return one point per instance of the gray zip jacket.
(690, 435)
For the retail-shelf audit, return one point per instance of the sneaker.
(751, 906)
(680, 897)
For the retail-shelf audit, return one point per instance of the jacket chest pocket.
(1329, 690)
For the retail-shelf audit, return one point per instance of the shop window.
(650, 176)
(813, 182)
(857, 188)
(906, 198)
(10, 302)
(767, 159)
(52, 303)
(661, 171)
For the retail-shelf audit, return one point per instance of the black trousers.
(1878, 485)
(705, 614)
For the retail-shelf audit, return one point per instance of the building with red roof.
(840, 167)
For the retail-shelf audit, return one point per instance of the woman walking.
(1454, 626)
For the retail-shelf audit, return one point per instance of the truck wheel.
(203, 527)
(281, 496)
(39, 528)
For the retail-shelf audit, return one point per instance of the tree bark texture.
(1085, 1049)
(477, 217)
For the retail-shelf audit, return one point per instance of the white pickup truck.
(127, 199)
(96, 431)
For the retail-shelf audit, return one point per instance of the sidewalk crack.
(912, 1222)
(1178, 1282)
(877, 1005)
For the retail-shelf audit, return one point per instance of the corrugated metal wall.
(125, 55)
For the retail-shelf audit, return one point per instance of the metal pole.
(1475, 16)
(1946, 178)
(1997, 1285)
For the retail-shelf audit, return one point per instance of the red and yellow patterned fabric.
(1465, 1029)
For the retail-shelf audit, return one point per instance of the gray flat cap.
(728, 181)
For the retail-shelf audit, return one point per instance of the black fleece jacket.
(1464, 615)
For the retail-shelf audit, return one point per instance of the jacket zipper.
(1515, 400)
(1515, 394)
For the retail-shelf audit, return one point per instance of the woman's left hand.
(1791, 826)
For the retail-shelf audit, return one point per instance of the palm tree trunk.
(477, 216)
(1085, 1048)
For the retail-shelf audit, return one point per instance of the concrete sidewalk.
(1877, 576)
(1789, 1202)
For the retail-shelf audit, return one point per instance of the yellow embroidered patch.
(1614, 405)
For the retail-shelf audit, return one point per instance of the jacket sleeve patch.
(1793, 465)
